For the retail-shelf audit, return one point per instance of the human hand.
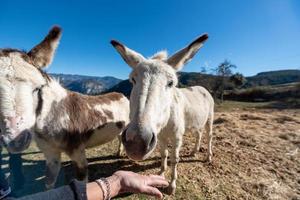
(136, 183)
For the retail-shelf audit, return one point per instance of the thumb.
(152, 191)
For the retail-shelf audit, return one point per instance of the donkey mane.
(7, 51)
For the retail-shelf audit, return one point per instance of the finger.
(157, 182)
(152, 191)
(157, 176)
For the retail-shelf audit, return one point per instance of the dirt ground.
(256, 156)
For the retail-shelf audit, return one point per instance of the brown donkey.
(60, 120)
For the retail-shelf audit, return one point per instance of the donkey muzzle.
(18, 144)
(138, 145)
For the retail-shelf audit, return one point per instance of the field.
(256, 156)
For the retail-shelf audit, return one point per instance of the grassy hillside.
(287, 95)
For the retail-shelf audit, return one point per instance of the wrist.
(93, 191)
(115, 184)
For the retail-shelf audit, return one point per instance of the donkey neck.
(174, 110)
(63, 110)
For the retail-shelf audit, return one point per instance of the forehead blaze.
(155, 68)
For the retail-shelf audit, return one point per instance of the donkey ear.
(180, 58)
(131, 57)
(43, 53)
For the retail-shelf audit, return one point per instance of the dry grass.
(256, 156)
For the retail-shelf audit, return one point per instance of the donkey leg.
(81, 164)
(174, 162)
(198, 142)
(164, 157)
(53, 163)
(209, 127)
(120, 147)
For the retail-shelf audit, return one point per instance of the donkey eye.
(133, 80)
(170, 83)
(35, 90)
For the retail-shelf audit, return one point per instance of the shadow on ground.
(102, 166)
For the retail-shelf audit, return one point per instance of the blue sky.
(255, 35)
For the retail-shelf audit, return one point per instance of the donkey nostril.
(152, 141)
(128, 135)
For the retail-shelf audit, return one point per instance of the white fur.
(114, 107)
(170, 112)
(17, 81)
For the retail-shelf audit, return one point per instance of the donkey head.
(21, 78)
(151, 98)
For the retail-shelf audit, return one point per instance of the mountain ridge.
(93, 85)
(209, 81)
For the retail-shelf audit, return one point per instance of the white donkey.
(61, 120)
(160, 110)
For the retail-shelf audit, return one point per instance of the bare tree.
(224, 70)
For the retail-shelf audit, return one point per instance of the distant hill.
(86, 84)
(261, 79)
(96, 85)
(273, 78)
(209, 81)
(123, 87)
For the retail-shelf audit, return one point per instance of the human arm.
(128, 182)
